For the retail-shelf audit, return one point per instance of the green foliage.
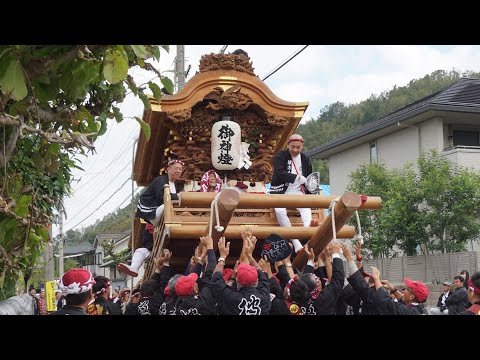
(116, 222)
(122, 256)
(451, 199)
(13, 81)
(322, 167)
(54, 103)
(145, 127)
(115, 65)
(69, 264)
(436, 210)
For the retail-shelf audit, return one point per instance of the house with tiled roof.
(447, 121)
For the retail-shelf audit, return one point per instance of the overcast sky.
(320, 75)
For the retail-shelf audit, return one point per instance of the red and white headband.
(472, 287)
(295, 137)
(171, 162)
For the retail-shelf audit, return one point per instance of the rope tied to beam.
(359, 236)
(331, 207)
(214, 207)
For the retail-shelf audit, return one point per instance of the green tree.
(373, 179)
(54, 102)
(434, 210)
(322, 167)
(401, 222)
(451, 202)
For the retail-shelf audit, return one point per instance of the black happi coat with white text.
(243, 301)
(152, 197)
(282, 165)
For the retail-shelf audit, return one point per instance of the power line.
(128, 197)
(114, 161)
(88, 199)
(100, 205)
(285, 62)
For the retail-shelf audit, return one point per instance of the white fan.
(313, 183)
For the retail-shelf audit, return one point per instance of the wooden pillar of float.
(227, 203)
(344, 209)
(260, 232)
(197, 199)
(167, 204)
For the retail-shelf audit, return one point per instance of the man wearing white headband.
(290, 169)
(150, 208)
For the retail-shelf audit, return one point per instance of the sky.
(321, 75)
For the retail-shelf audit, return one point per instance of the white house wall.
(343, 163)
(464, 157)
(394, 150)
(432, 134)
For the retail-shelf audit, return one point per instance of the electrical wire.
(100, 205)
(285, 62)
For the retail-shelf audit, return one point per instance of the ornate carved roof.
(181, 123)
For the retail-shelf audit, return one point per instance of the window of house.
(88, 259)
(466, 138)
(99, 259)
(373, 152)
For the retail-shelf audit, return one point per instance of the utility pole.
(60, 244)
(180, 68)
(134, 207)
(48, 258)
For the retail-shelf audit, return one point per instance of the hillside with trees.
(337, 119)
(118, 221)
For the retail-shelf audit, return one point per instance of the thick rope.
(214, 207)
(359, 235)
(332, 209)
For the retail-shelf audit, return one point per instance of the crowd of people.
(262, 287)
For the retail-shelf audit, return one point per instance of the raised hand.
(250, 246)
(265, 265)
(223, 249)
(247, 232)
(375, 273)
(358, 249)
(346, 252)
(335, 248)
(207, 242)
(309, 252)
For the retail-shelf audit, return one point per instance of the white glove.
(302, 180)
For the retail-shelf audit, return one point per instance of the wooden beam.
(261, 232)
(227, 203)
(198, 199)
(344, 209)
(167, 204)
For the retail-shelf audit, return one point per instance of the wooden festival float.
(226, 89)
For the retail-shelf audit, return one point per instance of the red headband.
(171, 162)
(295, 137)
(475, 289)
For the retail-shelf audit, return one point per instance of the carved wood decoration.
(227, 62)
(189, 138)
(181, 123)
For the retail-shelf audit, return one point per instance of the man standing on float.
(290, 169)
(150, 208)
